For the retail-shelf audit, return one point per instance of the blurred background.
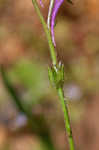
(34, 119)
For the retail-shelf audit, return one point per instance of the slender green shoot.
(56, 72)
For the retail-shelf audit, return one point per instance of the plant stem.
(60, 89)
(66, 118)
(51, 5)
(48, 33)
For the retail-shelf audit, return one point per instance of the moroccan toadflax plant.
(56, 72)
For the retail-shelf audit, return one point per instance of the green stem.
(60, 89)
(48, 33)
(66, 118)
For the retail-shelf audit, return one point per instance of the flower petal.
(56, 7)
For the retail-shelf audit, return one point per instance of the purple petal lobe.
(57, 5)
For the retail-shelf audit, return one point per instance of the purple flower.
(52, 15)
(56, 7)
